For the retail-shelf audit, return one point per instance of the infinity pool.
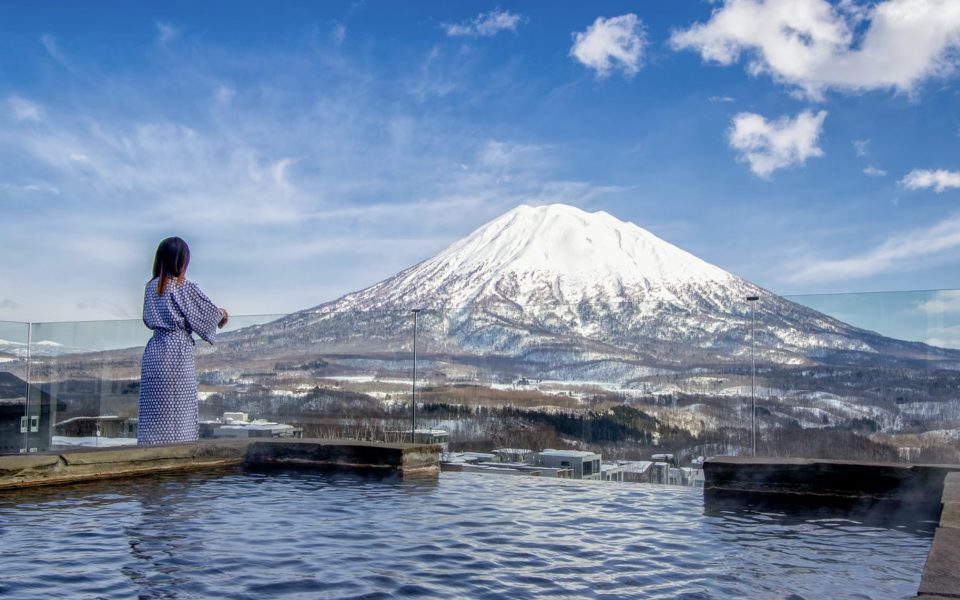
(298, 534)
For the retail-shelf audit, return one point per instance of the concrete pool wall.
(941, 575)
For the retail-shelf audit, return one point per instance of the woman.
(173, 308)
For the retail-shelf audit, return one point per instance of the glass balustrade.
(650, 388)
(15, 422)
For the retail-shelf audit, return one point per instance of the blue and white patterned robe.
(168, 381)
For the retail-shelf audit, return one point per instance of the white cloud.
(873, 171)
(861, 147)
(941, 303)
(608, 44)
(720, 99)
(941, 309)
(940, 179)
(943, 337)
(24, 110)
(485, 24)
(903, 251)
(772, 145)
(166, 33)
(817, 46)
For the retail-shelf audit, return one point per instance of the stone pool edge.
(941, 574)
(90, 464)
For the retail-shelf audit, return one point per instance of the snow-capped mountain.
(547, 255)
(556, 279)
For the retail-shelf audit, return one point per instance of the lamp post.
(753, 373)
(413, 429)
(26, 395)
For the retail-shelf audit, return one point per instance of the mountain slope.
(584, 295)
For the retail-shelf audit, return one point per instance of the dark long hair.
(173, 256)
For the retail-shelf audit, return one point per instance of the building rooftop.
(635, 466)
(569, 453)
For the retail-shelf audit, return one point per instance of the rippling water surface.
(298, 534)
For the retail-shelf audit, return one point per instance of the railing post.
(413, 423)
(26, 391)
(753, 373)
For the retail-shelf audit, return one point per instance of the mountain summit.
(554, 254)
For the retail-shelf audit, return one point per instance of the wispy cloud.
(438, 75)
(102, 306)
(339, 33)
(861, 147)
(255, 182)
(816, 46)
(941, 311)
(721, 99)
(166, 33)
(939, 180)
(611, 44)
(485, 24)
(32, 188)
(905, 250)
(944, 337)
(53, 49)
(772, 145)
(941, 303)
(22, 109)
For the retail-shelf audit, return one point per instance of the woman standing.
(173, 308)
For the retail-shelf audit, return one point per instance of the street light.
(413, 429)
(753, 372)
(26, 395)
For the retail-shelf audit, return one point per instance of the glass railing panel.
(14, 374)
(235, 379)
(86, 381)
(889, 389)
(640, 370)
(85, 378)
(572, 379)
(852, 376)
(326, 374)
(458, 393)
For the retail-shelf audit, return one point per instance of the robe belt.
(163, 333)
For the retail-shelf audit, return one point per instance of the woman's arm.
(201, 314)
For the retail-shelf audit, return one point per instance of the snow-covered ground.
(92, 441)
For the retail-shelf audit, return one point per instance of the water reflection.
(254, 534)
(787, 510)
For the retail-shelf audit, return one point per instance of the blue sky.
(308, 149)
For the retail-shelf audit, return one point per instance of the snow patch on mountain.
(555, 254)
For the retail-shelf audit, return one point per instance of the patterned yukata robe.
(168, 381)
